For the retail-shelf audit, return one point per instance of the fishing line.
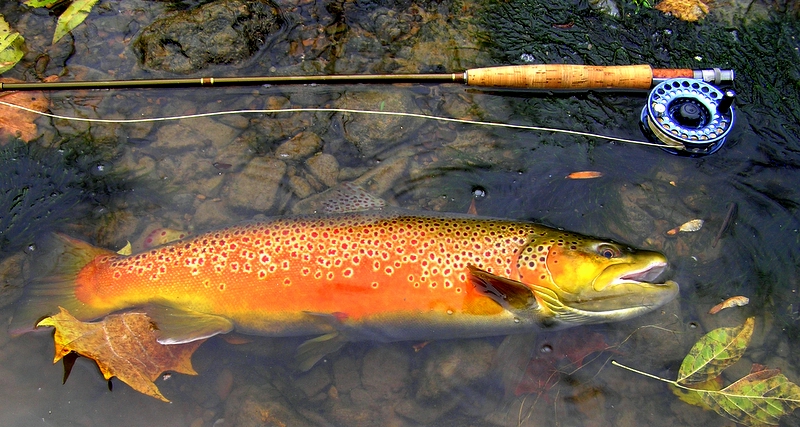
(337, 110)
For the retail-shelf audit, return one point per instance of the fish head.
(579, 280)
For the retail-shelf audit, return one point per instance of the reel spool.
(689, 117)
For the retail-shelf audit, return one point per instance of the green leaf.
(714, 352)
(41, 3)
(758, 399)
(692, 395)
(11, 45)
(72, 17)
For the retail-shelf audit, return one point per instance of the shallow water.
(188, 174)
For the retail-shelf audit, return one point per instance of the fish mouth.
(630, 293)
(647, 274)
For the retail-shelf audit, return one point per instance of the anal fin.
(178, 326)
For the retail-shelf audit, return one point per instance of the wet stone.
(218, 134)
(324, 167)
(373, 134)
(452, 365)
(220, 32)
(299, 146)
(345, 374)
(385, 370)
(177, 136)
(383, 177)
(259, 406)
(300, 187)
(256, 187)
(424, 414)
(11, 279)
(313, 382)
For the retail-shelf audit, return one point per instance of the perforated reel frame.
(661, 119)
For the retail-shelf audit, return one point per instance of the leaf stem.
(620, 365)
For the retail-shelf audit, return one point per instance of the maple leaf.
(16, 122)
(123, 346)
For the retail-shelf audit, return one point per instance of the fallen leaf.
(758, 399)
(41, 3)
(584, 175)
(73, 16)
(737, 301)
(472, 210)
(688, 226)
(126, 250)
(19, 123)
(11, 44)
(123, 346)
(686, 10)
(692, 395)
(714, 352)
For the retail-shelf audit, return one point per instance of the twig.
(728, 218)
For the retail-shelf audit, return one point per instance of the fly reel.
(689, 117)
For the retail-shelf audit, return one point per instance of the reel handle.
(587, 77)
(562, 76)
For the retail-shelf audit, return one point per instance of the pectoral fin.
(510, 294)
(178, 326)
(311, 351)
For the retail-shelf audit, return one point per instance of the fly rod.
(531, 76)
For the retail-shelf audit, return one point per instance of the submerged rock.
(373, 134)
(453, 365)
(256, 187)
(221, 32)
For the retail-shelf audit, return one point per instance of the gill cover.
(578, 279)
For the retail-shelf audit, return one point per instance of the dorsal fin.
(510, 294)
(345, 197)
(349, 197)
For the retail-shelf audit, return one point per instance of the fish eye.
(608, 251)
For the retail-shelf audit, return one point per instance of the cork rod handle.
(562, 76)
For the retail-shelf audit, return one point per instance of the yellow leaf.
(123, 346)
(717, 350)
(11, 46)
(73, 16)
(127, 250)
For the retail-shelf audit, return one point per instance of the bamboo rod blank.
(531, 76)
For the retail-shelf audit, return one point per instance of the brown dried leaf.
(737, 301)
(123, 346)
(686, 10)
(584, 175)
(19, 123)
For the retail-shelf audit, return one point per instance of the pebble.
(256, 187)
(324, 167)
(313, 382)
(345, 374)
(299, 146)
(224, 383)
(385, 370)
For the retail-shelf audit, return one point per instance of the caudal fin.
(53, 282)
